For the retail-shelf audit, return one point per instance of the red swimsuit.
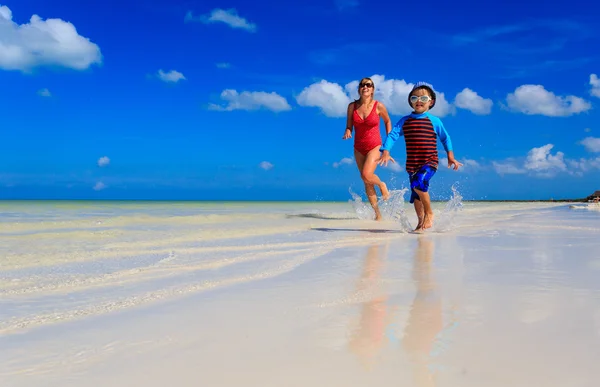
(367, 132)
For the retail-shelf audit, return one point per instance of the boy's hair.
(423, 86)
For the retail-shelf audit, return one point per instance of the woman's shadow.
(372, 230)
(368, 336)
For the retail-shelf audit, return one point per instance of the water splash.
(363, 210)
(391, 209)
(586, 206)
(444, 219)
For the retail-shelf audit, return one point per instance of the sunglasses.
(423, 98)
(360, 86)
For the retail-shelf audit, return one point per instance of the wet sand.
(297, 295)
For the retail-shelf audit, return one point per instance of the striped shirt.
(420, 132)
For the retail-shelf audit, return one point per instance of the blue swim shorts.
(420, 180)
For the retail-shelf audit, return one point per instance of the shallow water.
(495, 294)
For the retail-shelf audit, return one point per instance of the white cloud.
(534, 99)
(577, 164)
(333, 99)
(5, 13)
(329, 97)
(540, 161)
(223, 65)
(44, 93)
(251, 100)
(394, 167)
(595, 83)
(227, 16)
(592, 144)
(266, 165)
(103, 161)
(468, 164)
(584, 165)
(51, 42)
(470, 100)
(171, 76)
(394, 94)
(344, 161)
(442, 107)
(507, 167)
(99, 186)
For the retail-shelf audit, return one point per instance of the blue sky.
(234, 100)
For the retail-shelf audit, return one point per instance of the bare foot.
(385, 194)
(378, 216)
(428, 221)
(419, 225)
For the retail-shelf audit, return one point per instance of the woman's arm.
(382, 111)
(349, 112)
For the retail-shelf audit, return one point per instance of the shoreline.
(582, 200)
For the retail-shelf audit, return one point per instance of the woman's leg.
(368, 172)
(369, 187)
(367, 167)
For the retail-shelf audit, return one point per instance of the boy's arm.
(393, 135)
(443, 135)
(440, 130)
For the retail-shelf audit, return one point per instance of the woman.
(364, 115)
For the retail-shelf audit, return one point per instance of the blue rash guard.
(420, 132)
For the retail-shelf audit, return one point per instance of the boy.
(420, 130)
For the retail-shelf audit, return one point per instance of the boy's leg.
(427, 210)
(420, 185)
(420, 213)
(414, 198)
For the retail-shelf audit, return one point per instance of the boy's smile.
(420, 106)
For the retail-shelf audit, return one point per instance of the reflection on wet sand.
(425, 318)
(422, 337)
(367, 339)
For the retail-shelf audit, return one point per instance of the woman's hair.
(366, 79)
(423, 86)
(363, 80)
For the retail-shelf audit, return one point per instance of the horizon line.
(275, 201)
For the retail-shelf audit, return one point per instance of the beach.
(298, 294)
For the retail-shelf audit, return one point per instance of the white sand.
(298, 294)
